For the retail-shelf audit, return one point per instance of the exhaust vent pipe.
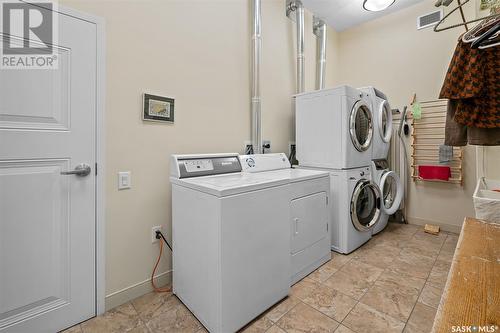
(319, 29)
(295, 6)
(256, 60)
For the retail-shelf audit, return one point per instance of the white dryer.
(382, 116)
(390, 188)
(354, 209)
(334, 128)
(309, 220)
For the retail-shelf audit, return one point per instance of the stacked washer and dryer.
(338, 130)
(388, 181)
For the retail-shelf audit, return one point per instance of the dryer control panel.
(264, 162)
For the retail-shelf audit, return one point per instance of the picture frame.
(158, 108)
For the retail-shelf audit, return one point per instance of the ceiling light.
(377, 5)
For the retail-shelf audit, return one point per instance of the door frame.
(100, 203)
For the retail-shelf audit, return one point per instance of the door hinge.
(327, 200)
(96, 169)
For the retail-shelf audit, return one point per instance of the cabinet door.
(309, 218)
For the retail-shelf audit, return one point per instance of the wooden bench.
(471, 298)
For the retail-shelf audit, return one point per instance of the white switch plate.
(124, 180)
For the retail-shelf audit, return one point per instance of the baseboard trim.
(136, 290)
(444, 226)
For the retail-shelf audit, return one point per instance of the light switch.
(124, 180)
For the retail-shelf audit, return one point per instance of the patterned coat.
(473, 79)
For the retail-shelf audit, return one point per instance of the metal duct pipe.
(320, 31)
(299, 19)
(256, 60)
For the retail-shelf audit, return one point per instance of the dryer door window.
(392, 192)
(361, 126)
(365, 205)
(385, 121)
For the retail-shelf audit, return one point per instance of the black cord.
(160, 235)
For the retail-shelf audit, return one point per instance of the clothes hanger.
(488, 39)
(464, 23)
(479, 29)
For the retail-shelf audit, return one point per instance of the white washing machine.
(334, 128)
(309, 214)
(354, 209)
(391, 191)
(382, 116)
(231, 239)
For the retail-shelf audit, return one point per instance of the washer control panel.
(198, 165)
(185, 166)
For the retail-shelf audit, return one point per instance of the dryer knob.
(362, 173)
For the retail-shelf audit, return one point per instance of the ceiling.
(344, 14)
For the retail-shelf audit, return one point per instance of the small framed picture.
(158, 108)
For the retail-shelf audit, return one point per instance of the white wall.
(198, 52)
(391, 54)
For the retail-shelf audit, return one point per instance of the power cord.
(159, 236)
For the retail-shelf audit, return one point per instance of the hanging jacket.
(473, 80)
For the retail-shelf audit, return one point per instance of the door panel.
(47, 220)
(34, 237)
(25, 105)
(309, 220)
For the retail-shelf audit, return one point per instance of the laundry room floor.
(391, 284)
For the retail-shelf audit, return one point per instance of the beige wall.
(391, 54)
(491, 161)
(198, 52)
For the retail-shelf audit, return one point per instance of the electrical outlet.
(153, 233)
(291, 147)
(266, 146)
(248, 147)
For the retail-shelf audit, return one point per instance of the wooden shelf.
(428, 134)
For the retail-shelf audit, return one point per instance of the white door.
(365, 205)
(392, 192)
(309, 220)
(361, 126)
(47, 219)
(385, 121)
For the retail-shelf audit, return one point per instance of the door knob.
(81, 170)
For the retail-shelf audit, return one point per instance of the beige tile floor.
(391, 284)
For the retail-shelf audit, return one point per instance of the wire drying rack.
(427, 136)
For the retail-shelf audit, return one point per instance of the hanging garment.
(434, 172)
(473, 80)
(456, 134)
(445, 153)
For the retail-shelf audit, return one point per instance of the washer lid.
(391, 191)
(230, 184)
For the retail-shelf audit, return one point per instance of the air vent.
(429, 19)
